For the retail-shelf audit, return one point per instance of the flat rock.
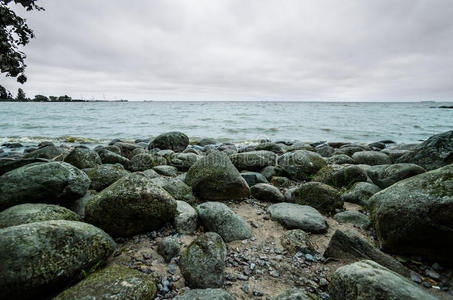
(294, 216)
(186, 219)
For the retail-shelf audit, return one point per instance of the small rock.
(168, 248)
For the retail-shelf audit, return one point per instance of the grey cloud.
(242, 50)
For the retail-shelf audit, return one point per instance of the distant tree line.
(6, 96)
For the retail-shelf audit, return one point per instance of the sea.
(100, 122)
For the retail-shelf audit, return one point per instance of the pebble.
(274, 274)
(324, 295)
(257, 293)
(310, 257)
(415, 277)
(433, 274)
(427, 285)
(254, 224)
(171, 269)
(245, 288)
(323, 282)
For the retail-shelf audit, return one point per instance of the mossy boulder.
(321, 196)
(83, 158)
(166, 170)
(127, 149)
(215, 178)
(145, 161)
(186, 220)
(301, 164)
(340, 175)
(415, 216)
(295, 216)
(268, 146)
(297, 240)
(360, 193)
(386, 175)
(114, 282)
(35, 212)
(52, 182)
(109, 157)
(202, 264)
(49, 152)
(131, 205)
(9, 164)
(254, 160)
(43, 257)
(435, 152)
(102, 176)
(174, 140)
(353, 217)
(339, 159)
(368, 280)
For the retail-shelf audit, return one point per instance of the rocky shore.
(170, 218)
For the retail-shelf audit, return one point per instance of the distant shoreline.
(58, 101)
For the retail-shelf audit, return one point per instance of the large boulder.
(254, 160)
(266, 192)
(83, 158)
(386, 175)
(340, 175)
(371, 158)
(360, 193)
(145, 161)
(346, 245)
(104, 175)
(435, 152)
(301, 164)
(9, 164)
(321, 196)
(176, 141)
(42, 257)
(294, 216)
(369, 280)
(219, 218)
(35, 212)
(215, 178)
(415, 216)
(131, 205)
(114, 282)
(203, 263)
(204, 294)
(52, 182)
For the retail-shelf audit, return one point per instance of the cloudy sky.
(376, 50)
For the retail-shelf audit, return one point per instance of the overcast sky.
(357, 50)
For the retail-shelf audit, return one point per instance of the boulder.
(280, 182)
(9, 164)
(435, 152)
(369, 280)
(318, 195)
(350, 149)
(166, 170)
(206, 141)
(114, 282)
(297, 240)
(49, 152)
(271, 171)
(266, 192)
(415, 216)
(340, 175)
(394, 154)
(183, 161)
(386, 175)
(131, 205)
(145, 161)
(346, 245)
(102, 176)
(127, 149)
(176, 141)
(353, 217)
(202, 264)
(109, 157)
(294, 216)
(219, 218)
(215, 178)
(78, 206)
(52, 182)
(273, 147)
(186, 219)
(339, 159)
(253, 178)
(301, 164)
(254, 160)
(371, 158)
(204, 294)
(34, 212)
(360, 192)
(42, 257)
(83, 158)
(178, 189)
(325, 150)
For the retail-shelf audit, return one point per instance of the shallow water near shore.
(225, 121)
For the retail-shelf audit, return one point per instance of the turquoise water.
(227, 121)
